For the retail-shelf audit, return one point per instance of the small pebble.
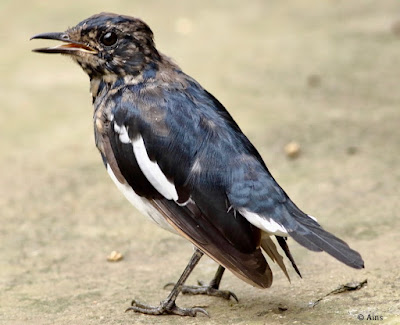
(114, 256)
(292, 149)
(282, 308)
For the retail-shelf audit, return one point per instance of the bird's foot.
(205, 289)
(166, 308)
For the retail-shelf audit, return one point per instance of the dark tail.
(308, 233)
(285, 247)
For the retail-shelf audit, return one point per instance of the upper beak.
(71, 47)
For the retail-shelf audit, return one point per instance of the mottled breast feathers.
(189, 151)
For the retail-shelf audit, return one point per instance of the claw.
(168, 305)
(233, 295)
(205, 289)
(201, 310)
(165, 308)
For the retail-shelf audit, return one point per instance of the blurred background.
(313, 84)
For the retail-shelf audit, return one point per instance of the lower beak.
(71, 47)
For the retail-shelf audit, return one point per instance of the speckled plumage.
(157, 127)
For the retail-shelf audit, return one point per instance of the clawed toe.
(165, 308)
(203, 289)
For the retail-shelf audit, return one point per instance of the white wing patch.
(315, 219)
(152, 171)
(268, 225)
(149, 168)
(142, 204)
(123, 133)
(196, 168)
(189, 200)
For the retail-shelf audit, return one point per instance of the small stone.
(292, 149)
(282, 308)
(115, 256)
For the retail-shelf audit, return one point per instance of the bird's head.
(106, 45)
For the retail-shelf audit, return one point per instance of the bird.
(180, 158)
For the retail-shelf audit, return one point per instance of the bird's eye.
(109, 39)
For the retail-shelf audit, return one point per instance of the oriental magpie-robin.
(176, 154)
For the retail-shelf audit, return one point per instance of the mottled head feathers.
(107, 46)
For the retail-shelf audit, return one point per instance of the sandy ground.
(322, 73)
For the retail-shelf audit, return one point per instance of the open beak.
(71, 47)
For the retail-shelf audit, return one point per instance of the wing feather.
(191, 161)
(204, 219)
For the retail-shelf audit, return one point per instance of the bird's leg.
(211, 289)
(168, 305)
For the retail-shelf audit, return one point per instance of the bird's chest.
(104, 106)
(102, 118)
(101, 123)
(102, 115)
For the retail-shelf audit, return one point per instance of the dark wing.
(263, 202)
(199, 170)
(169, 149)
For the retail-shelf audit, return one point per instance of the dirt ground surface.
(322, 73)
